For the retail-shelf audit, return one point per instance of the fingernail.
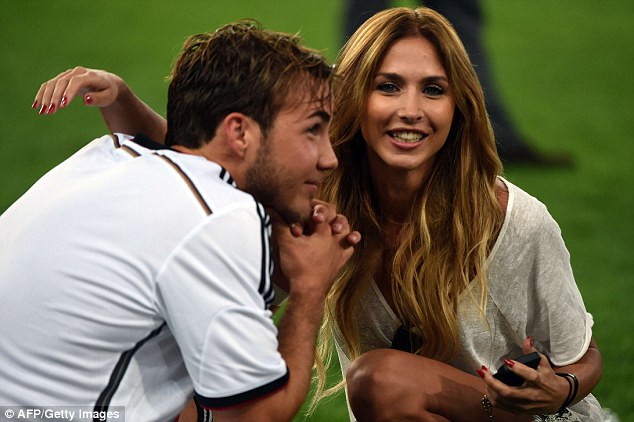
(43, 109)
(509, 363)
(319, 216)
(480, 372)
(51, 109)
(88, 99)
(531, 340)
(34, 106)
(484, 368)
(64, 101)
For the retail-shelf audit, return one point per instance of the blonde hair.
(455, 217)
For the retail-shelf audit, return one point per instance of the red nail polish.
(51, 109)
(64, 101)
(35, 103)
(509, 363)
(43, 109)
(480, 372)
(484, 368)
(88, 99)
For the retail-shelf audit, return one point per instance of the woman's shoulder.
(502, 194)
(519, 202)
(527, 219)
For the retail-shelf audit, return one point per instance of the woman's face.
(409, 110)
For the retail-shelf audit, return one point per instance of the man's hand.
(323, 213)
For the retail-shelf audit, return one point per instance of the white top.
(136, 282)
(532, 292)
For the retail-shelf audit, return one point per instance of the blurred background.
(565, 69)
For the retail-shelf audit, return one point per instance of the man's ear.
(241, 133)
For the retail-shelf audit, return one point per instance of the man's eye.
(315, 129)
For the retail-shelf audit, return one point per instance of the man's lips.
(312, 185)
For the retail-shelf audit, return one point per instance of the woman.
(456, 261)
(459, 269)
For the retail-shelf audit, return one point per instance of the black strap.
(149, 143)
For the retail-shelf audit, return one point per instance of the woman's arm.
(122, 111)
(550, 278)
(588, 370)
(544, 391)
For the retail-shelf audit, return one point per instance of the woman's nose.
(412, 107)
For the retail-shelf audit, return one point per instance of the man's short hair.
(238, 68)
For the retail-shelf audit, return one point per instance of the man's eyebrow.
(324, 115)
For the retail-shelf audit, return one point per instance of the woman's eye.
(387, 87)
(433, 90)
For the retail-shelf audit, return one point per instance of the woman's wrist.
(573, 388)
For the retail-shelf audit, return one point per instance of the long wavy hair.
(455, 217)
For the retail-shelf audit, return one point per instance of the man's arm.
(122, 111)
(310, 262)
(302, 316)
(297, 333)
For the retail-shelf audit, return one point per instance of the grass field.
(565, 68)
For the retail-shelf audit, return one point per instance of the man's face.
(288, 167)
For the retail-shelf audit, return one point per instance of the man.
(137, 281)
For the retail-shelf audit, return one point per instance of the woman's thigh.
(387, 384)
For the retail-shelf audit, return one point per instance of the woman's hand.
(96, 87)
(544, 392)
(122, 111)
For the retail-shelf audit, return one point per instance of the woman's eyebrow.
(397, 77)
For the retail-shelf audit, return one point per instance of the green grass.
(564, 68)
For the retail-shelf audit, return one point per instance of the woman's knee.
(375, 387)
(374, 369)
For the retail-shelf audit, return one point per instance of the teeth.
(407, 136)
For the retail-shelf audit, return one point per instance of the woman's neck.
(395, 195)
(395, 189)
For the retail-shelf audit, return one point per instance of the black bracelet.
(573, 383)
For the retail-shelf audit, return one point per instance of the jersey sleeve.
(212, 293)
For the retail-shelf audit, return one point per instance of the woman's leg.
(389, 385)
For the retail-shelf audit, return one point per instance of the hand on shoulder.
(96, 87)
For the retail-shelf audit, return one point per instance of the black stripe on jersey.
(221, 402)
(130, 151)
(119, 371)
(126, 148)
(265, 288)
(189, 182)
(115, 140)
(224, 175)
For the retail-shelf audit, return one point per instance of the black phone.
(508, 377)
